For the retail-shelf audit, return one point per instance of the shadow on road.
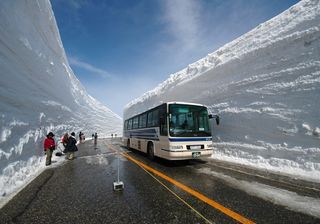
(167, 163)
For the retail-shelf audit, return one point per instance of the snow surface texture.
(38, 92)
(265, 86)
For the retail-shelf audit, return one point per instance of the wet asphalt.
(81, 191)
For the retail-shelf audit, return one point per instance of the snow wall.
(265, 86)
(38, 92)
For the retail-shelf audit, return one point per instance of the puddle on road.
(97, 160)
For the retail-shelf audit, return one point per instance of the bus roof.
(195, 104)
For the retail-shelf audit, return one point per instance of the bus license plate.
(196, 154)
(193, 147)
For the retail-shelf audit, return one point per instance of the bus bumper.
(185, 155)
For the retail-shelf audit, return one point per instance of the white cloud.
(84, 65)
(184, 21)
(115, 94)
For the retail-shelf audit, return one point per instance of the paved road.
(81, 191)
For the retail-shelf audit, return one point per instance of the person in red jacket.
(49, 145)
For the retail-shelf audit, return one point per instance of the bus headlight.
(176, 147)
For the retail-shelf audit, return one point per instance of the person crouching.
(71, 146)
(49, 145)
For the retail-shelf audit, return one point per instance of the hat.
(73, 134)
(50, 134)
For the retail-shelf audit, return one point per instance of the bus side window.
(143, 120)
(149, 120)
(155, 120)
(163, 126)
(163, 120)
(135, 123)
(130, 124)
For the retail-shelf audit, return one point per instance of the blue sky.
(120, 49)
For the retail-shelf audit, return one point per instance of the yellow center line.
(177, 196)
(196, 194)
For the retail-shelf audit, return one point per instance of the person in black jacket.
(95, 138)
(71, 146)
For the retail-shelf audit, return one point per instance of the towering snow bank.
(38, 92)
(265, 85)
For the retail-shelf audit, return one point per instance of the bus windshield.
(188, 121)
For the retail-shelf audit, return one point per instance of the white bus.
(172, 130)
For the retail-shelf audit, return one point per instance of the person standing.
(95, 138)
(65, 141)
(71, 146)
(80, 136)
(49, 145)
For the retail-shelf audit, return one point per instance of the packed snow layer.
(288, 199)
(38, 92)
(265, 86)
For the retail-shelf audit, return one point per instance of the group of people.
(70, 145)
(69, 142)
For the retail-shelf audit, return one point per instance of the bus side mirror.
(216, 117)
(217, 120)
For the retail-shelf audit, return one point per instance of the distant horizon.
(118, 56)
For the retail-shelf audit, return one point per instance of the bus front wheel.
(150, 151)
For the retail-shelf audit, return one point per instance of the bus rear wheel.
(150, 151)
